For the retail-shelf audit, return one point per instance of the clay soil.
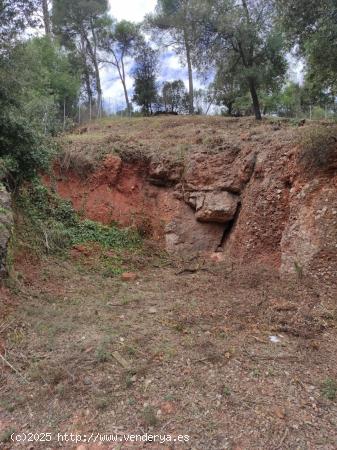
(196, 337)
(232, 355)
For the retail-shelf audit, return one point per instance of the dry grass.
(319, 149)
(202, 364)
(170, 138)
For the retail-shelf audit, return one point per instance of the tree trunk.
(255, 98)
(46, 17)
(123, 79)
(127, 101)
(97, 75)
(88, 85)
(190, 75)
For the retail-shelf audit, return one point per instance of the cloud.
(133, 10)
(170, 65)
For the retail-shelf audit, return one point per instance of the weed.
(226, 391)
(6, 436)
(101, 403)
(169, 398)
(329, 389)
(149, 416)
(129, 380)
(131, 350)
(102, 353)
(50, 225)
(255, 373)
(298, 269)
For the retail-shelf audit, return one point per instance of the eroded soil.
(197, 337)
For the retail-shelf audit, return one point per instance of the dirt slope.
(207, 185)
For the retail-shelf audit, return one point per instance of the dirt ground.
(232, 357)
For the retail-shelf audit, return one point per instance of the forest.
(53, 52)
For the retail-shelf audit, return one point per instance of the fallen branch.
(121, 361)
(13, 368)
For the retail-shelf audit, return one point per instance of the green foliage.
(145, 89)
(118, 41)
(15, 15)
(329, 389)
(245, 36)
(49, 83)
(51, 225)
(311, 26)
(174, 96)
(23, 151)
(35, 77)
(79, 24)
(173, 24)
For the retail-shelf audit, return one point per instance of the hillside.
(263, 192)
(216, 320)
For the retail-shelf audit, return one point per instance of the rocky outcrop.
(310, 234)
(247, 198)
(219, 207)
(6, 224)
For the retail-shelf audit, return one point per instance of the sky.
(135, 10)
(171, 69)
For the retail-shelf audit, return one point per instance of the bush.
(318, 148)
(23, 151)
(49, 224)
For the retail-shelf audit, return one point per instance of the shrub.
(23, 151)
(50, 224)
(318, 148)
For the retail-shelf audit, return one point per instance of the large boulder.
(219, 207)
(6, 223)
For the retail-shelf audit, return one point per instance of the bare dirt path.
(187, 349)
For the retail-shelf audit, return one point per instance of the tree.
(243, 33)
(311, 27)
(174, 96)
(227, 87)
(15, 15)
(51, 82)
(120, 41)
(80, 22)
(174, 19)
(46, 16)
(145, 89)
(23, 151)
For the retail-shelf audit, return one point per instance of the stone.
(185, 235)
(129, 276)
(164, 173)
(217, 207)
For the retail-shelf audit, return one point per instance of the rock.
(153, 310)
(185, 235)
(165, 173)
(217, 257)
(129, 276)
(217, 207)
(6, 224)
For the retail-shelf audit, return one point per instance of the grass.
(318, 148)
(329, 389)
